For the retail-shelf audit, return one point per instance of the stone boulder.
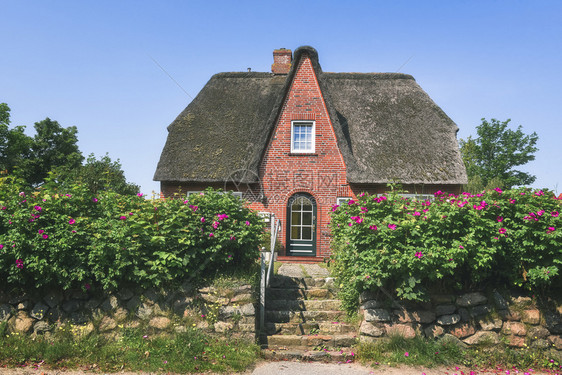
(471, 299)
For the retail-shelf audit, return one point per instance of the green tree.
(52, 146)
(15, 145)
(491, 158)
(103, 174)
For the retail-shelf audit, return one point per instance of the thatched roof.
(387, 128)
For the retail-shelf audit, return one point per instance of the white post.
(272, 239)
(262, 295)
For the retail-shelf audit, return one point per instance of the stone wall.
(210, 309)
(468, 319)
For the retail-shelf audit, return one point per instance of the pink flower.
(540, 213)
(4, 208)
(550, 229)
(19, 263)
(40, 231)
(357, 219)
(392, 226)
(512, 201)
(335, 207)
(539, 193)
(350, 224)
(247, 223)
(232, 238)
(554, 214)
(202, 219)
(500, 219)
(222, 216)
(364, 210)
(1, 246)
(87, 286)
(22, 194)
(350, 202)
(461, 247)
(194, 208)
(416, 213)
(502, 231)
(37, 208)
(215, 224)
(130, 214)
(498, 190)
(94, 200)
(418, 254)
(211, 235)
(71, 221)
(438, 192)
(373, 227)
(139, 194)
(122, 217)
(406, 354)
(45, 236)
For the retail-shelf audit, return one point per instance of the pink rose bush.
(102, 241)
(501, 237)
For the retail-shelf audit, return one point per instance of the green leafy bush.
(73, 239)
(404, 246)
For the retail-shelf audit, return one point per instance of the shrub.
(73, 239)
(509, 238)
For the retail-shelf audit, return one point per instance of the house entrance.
(301, 225)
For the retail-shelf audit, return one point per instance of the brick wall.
(320, 174)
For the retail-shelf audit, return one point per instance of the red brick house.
(296, 140)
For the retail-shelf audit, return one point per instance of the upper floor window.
(302, 137)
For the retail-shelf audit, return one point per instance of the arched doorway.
(301, 225)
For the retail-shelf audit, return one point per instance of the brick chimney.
(282, 59)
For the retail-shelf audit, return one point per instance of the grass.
(276, 266)
(418, 351)
(133, 350)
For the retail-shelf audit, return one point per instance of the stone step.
(303, 305)
(322, 328)
(301, 282)
(311, 341)
(284, 316)
(344, 355)
(298, 294)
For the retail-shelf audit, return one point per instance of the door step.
(302, 260)
(345, 355)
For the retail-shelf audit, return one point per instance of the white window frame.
(342, 200)
(313, 141)
(419, 197)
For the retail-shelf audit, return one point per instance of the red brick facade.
(321, 174)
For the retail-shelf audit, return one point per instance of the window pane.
(307, 218)
(306, 233)
(295, 233)
(296, 218)
(302, 136)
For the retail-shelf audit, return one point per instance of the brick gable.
(321, 174)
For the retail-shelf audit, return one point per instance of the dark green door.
(301, 225)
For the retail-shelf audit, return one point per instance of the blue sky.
(90, 64)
